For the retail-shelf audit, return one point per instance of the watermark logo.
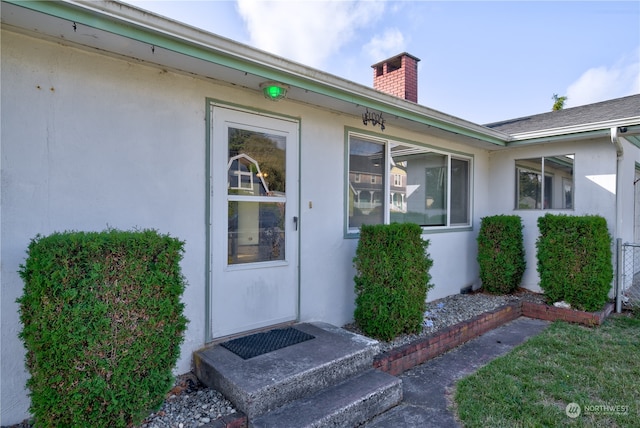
(573, 410)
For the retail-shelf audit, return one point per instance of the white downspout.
(615, 140)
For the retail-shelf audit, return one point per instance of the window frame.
(388, 180)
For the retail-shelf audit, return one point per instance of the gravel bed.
(190, 404)
(451, 310)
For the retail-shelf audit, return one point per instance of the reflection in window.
(425, 187)
(256, 197)
(554, 191)
(256, 163)
(366, 160)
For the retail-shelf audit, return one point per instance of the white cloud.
(306, 31)
(606, 82)
(390, 43)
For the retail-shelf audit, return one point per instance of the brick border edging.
(398, 360)
(551, 313)
(401, 359)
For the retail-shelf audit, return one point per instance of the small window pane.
(436, 189)
(558, 171)
(529, 183)
(460, 192)
(421, 196)
(366, 182)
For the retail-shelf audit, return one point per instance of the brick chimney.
(397, 76)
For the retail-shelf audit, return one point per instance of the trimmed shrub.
(574, 260)
(102, 324)
(392, 279)
(501, 253)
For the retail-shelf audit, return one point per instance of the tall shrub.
(392, 279)
(102, 324)
(501, 253)
(574, 260)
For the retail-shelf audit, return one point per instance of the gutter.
(598, 128)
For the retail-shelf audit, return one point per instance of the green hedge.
(574, 260)
(392, 279)
(102, 324)
(501, 253)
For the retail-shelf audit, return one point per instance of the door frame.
(210, 105)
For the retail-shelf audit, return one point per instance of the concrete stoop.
(325, 381)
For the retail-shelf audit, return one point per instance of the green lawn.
(597, 368)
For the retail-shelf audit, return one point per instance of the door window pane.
(366, 182)
(255, 175)
(256, 164)
(256, 232)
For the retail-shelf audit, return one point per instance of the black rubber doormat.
(263, 343)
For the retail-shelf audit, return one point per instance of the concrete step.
(348, 404)
(263, 383)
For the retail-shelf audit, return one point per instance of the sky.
(483, 61)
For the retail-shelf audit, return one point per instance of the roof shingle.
(592, 113)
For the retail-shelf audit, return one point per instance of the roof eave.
(574, 132)
(146, 27)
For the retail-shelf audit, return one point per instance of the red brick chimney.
(397, 76)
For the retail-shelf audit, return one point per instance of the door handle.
(295, 222)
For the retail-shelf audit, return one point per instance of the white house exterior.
(116, 117)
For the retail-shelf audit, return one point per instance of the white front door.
(254, 221)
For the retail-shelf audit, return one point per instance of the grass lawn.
(597, 368)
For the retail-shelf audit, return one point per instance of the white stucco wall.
(91, 142)
(629, 218)
(594, 189)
